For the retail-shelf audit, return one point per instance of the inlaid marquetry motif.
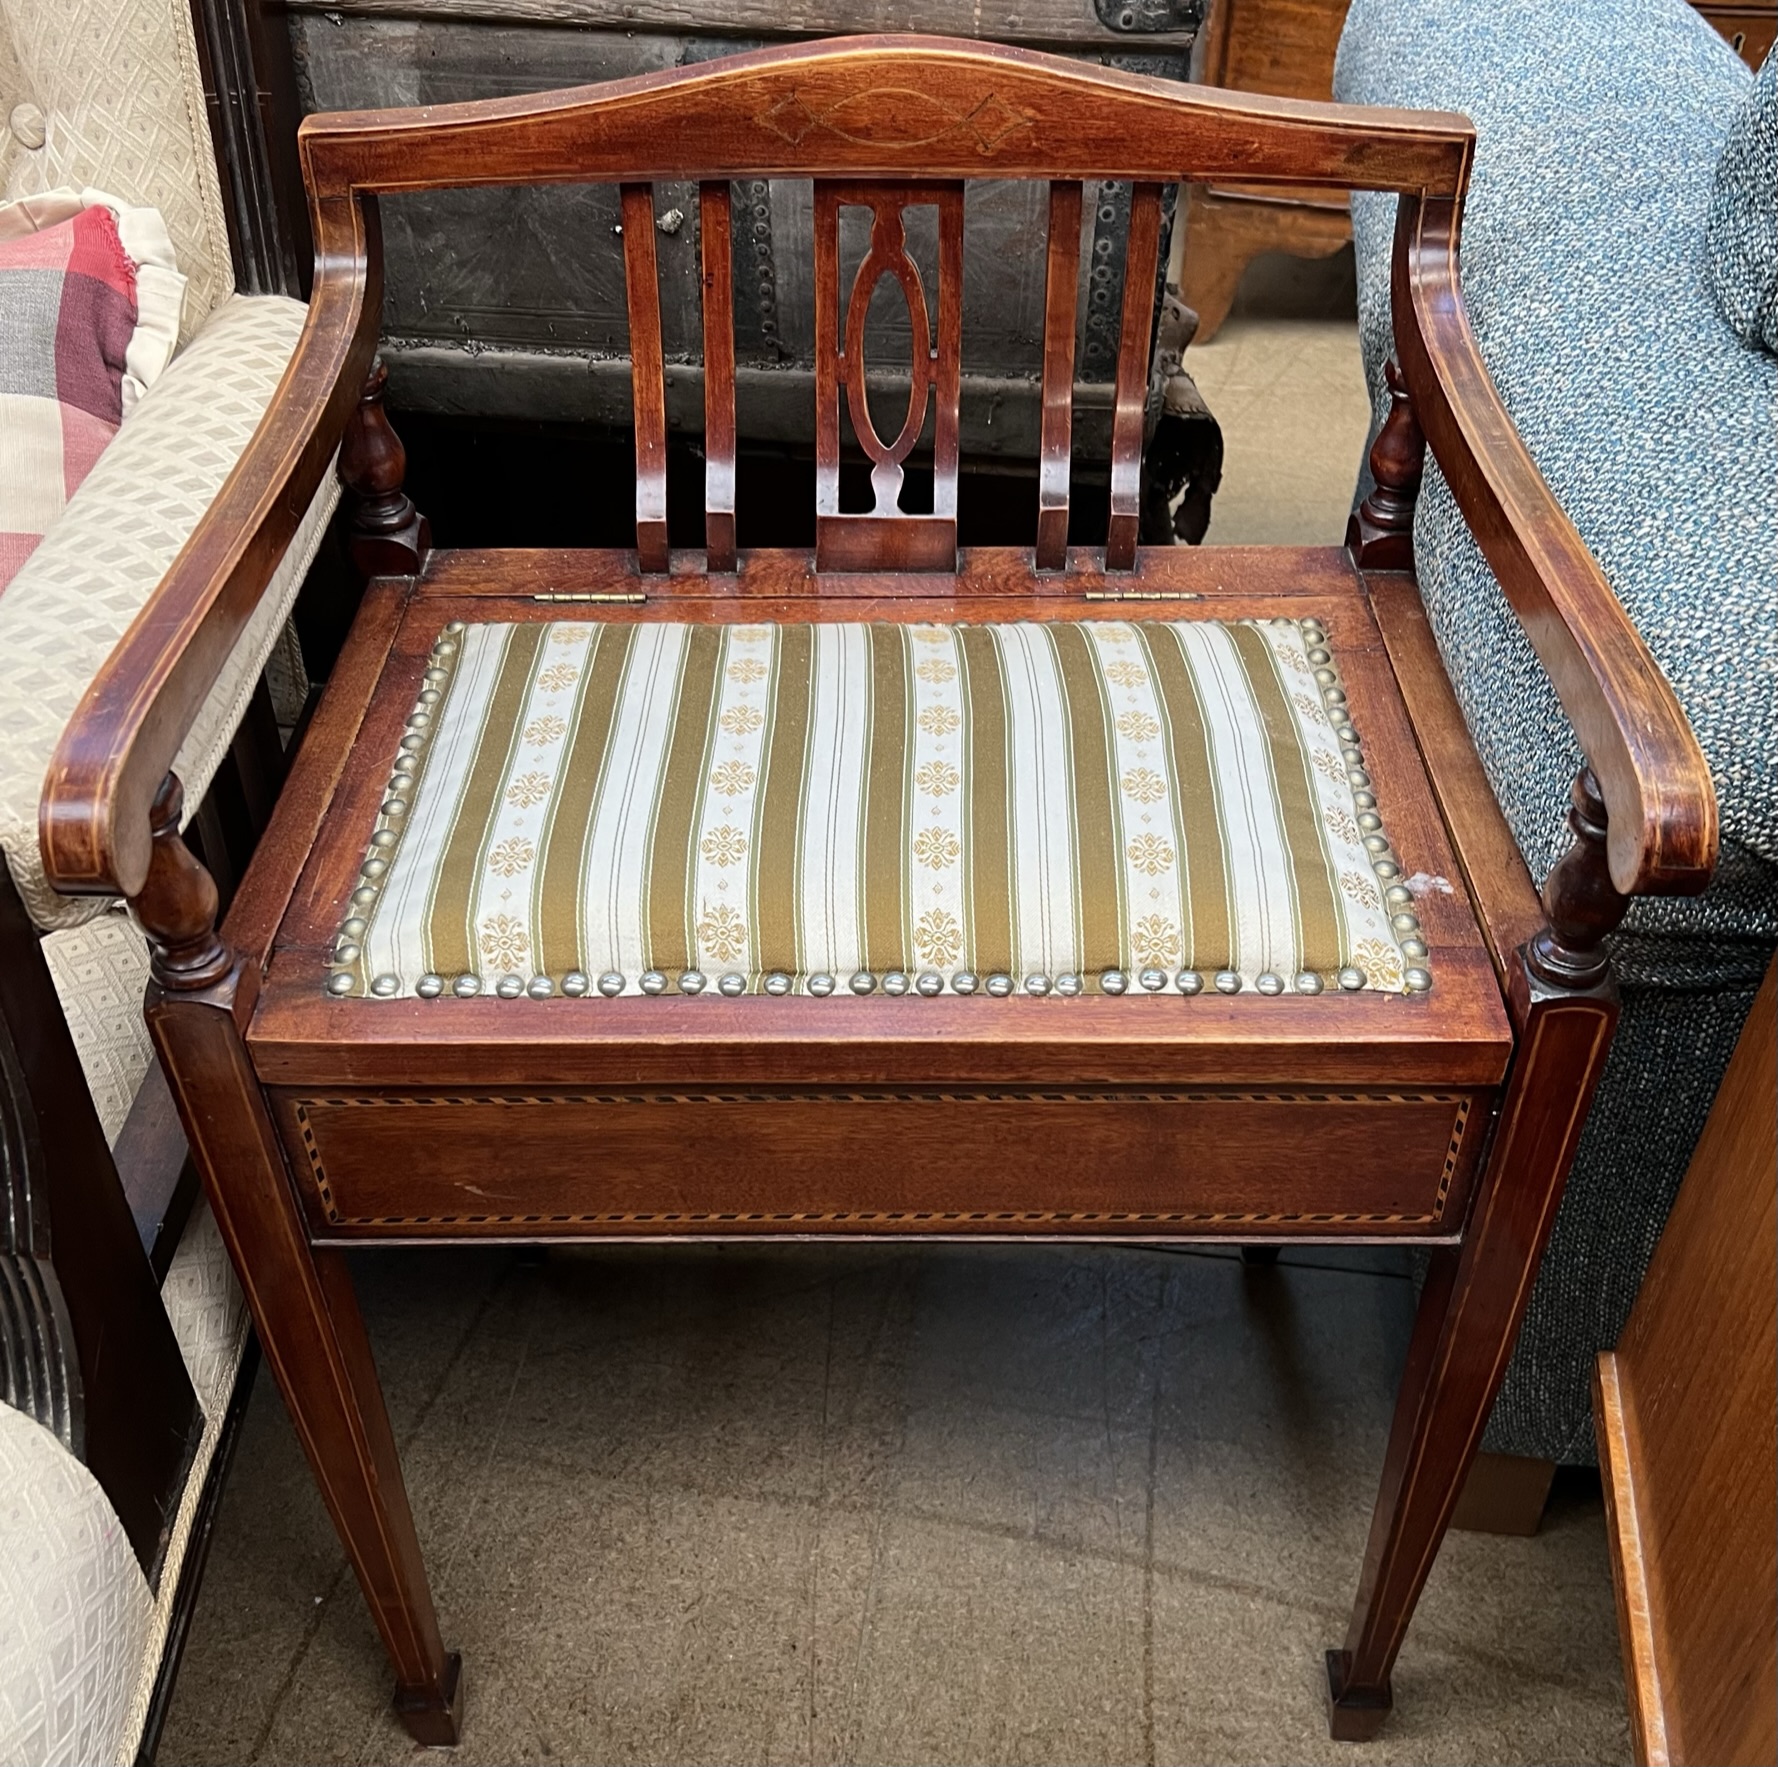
(1459, 1104)
(895, 116)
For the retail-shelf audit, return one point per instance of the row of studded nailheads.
(1403, 921)
(391, 816)
(896, 982)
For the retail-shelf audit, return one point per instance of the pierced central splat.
(888, 257)
(888, 538)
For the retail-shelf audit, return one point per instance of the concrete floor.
(939, 1504)
(912, 1504)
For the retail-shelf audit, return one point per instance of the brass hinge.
(1143, 595)
(628, 596)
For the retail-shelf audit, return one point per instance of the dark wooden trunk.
(509, 303)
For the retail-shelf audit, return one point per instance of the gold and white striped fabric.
(608, 807)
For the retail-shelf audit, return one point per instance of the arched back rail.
(870, 114)
(886, 107)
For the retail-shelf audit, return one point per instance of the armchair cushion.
(100, 972)
(209, 1317)
(75, 1610)
(1063, 807)
(82, 1634)
(1744, 215)
(78, 592)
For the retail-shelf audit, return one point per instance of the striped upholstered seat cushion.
(1058, 808)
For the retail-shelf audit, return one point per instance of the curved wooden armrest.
(1662, 822)
(94, 822)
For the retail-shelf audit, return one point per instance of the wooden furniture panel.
(1141, 1164)
(1355, 1115)
(717, 299)
(518, 273)
(1283, 47)
(1688, 1422)
(648, 375)
(1129, 411)
(1060, 303)
(887, 537)
(1226, 229)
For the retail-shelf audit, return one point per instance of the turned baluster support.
(388, 536)
(178, 904)
(1380, 535)
(1579, 898)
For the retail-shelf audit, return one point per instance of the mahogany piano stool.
(1117, 894)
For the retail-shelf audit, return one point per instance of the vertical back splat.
(1140, 263)
(647, 376)
(719, 378)
(1061, 303)
(887, 538)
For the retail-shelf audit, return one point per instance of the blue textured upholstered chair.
(1602, 294)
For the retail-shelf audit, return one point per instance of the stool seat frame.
(1446, 1118)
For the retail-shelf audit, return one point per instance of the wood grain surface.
(1339, 1116)
(1284, 47)
(642, 288)
(955, 1160)
(1038, 23)
(1687, 1424)
(1500, 887)
(1061, 302)
(1750, 27)
(887, 107)
(717, 304)
(1130, 407)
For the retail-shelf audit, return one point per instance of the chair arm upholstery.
(78, 592)
(1662, 835)
(94, 824)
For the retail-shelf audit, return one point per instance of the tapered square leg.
(1470, 1310)
(307, 1316)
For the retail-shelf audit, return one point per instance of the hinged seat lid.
(1053, 808)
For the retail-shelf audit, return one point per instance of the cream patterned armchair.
(93, 1538)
